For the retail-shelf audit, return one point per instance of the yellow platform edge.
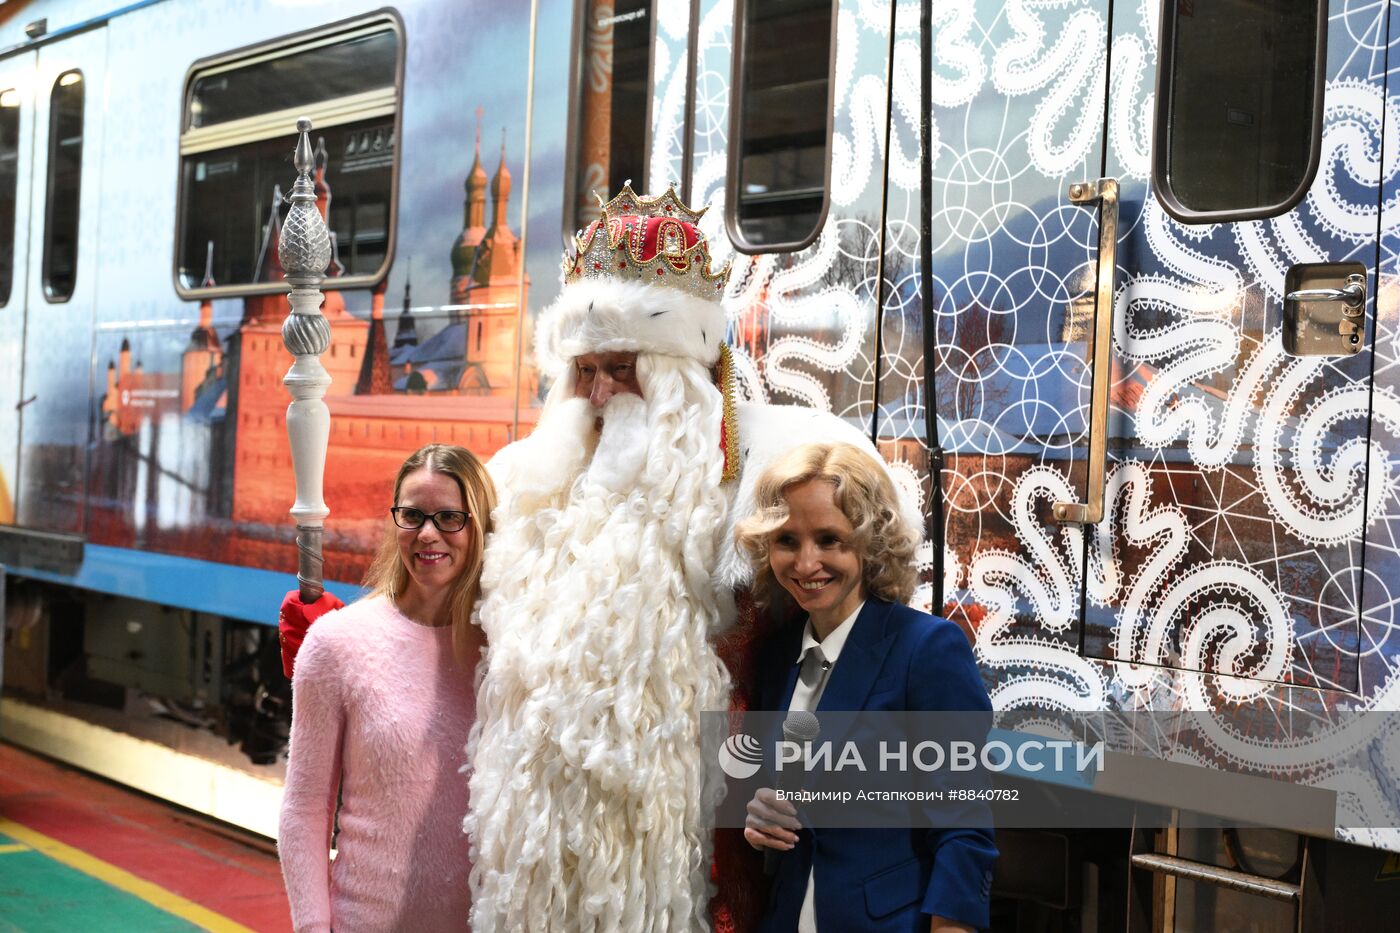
(121, 879)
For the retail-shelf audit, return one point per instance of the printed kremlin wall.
(194, 460)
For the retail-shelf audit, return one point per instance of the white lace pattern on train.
(1251, 540)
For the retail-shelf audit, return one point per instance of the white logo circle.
(741, 756)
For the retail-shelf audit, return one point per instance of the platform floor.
(79, 853)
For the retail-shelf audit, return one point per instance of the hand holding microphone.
(772, 823)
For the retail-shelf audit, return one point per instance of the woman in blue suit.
(828, 532)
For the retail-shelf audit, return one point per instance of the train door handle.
(1104, 192)
(1353, 294)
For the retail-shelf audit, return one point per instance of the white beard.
(591, 806)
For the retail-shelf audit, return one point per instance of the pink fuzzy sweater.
(380, 704)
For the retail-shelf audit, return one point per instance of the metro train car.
(1114, 287)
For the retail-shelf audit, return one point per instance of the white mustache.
(622, 447)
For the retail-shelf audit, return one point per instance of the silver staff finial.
(303, 158)
(305, 251)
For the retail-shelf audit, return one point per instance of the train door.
(61, 289)
(1244, 451)
(1139, 421)
(16, 146)
(1231, 397)
(1015, 116)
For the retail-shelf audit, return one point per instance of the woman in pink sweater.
(382, 701)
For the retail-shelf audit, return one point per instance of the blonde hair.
(388, 576)
(864, 494)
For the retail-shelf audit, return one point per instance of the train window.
(9, 188)
(235, 154)
(1239, 98)
(65, 177)
(780, 132)
(612, 93)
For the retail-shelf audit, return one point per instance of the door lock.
(1324, 309)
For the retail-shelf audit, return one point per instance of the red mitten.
(295, 618)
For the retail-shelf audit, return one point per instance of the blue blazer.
(878, 880)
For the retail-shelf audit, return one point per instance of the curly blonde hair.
(864, 494)
(387, 576)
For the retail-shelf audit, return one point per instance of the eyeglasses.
(447, 521)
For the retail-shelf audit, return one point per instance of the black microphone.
(801, 727)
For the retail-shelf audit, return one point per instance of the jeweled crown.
(653, 240)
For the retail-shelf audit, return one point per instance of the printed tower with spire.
(486, 282)
(466, 249)
(202, 356)
(374, 371)
(406, 334)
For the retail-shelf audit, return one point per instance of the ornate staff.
(305, 251)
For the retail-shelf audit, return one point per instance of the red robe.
(738, 867)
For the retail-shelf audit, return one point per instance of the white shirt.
(817, 659)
